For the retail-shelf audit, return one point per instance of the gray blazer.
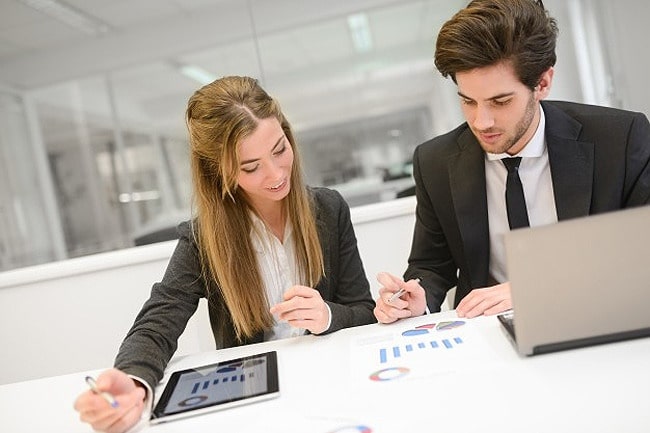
(152, 340)
(599, 159)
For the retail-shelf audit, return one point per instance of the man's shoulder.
(576, 109)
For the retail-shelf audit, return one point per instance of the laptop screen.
(580, 279)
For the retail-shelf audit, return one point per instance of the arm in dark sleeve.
(348, 294)
(637, 179)
(152, 340)
(430, 259)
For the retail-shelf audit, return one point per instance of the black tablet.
(218, 386)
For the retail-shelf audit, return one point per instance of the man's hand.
(485, 301)
(411, 303)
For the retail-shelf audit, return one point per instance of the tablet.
(218, 386)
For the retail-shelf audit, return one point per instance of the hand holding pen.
(105, 395)
(398, 299)
(113, 403)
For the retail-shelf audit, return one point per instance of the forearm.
(347, 316)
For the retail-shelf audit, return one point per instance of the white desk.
(479, 384)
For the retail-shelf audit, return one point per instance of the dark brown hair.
(487, 32)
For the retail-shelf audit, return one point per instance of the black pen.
(106, 395)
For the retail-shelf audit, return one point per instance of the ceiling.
(301, 50)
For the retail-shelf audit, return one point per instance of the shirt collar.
(258, 228)
(534, 148)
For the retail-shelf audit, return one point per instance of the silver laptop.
(579, 282)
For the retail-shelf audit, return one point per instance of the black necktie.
(517, 215)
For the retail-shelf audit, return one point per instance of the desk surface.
(465, 378)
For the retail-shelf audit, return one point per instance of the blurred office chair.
(406, 192)
(160, 235)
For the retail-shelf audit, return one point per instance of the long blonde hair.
(218, 117)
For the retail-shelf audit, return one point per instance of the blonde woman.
(273, 257)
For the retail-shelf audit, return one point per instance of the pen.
(399, 293)
(396, 295)
(107, 395)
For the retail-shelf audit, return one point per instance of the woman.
(273, 257)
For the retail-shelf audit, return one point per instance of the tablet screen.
(218, 386)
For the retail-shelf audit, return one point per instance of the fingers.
(391, 285)
(115, 381)
(387, 310)
(389, 281)
(498, 308)
(485, 301)
(388, 314)
(398, 299)
(95, 410)
(119, 422)
(303, 308)
(383, 317)
(297, 298)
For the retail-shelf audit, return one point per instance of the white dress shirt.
(535, 174)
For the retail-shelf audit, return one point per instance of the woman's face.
(266, 160)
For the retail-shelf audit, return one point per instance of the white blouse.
(279, 270)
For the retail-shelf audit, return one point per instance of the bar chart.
(421, 349)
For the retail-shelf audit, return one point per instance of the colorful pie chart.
(389, 374)
(191, 401)
(413, 332)
(427, 326)
(442, 326)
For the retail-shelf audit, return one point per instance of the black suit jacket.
(599, 159)
(152, 340)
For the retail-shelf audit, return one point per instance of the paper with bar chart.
(417, 348)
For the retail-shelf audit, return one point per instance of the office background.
(93, 150)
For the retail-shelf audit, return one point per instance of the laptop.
(579, 282)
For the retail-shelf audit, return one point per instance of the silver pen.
(106, 395)
(399, 293)
(396, 295)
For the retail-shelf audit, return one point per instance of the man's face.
(502, 112)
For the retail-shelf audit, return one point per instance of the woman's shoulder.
(326, 198)
(185, 228)
(330, 206)
(188, 231)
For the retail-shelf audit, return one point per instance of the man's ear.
(543, 88)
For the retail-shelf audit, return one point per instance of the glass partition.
(94, 148)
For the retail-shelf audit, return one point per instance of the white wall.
(71, 316)
(626, 38)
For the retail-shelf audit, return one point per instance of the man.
(576, 160)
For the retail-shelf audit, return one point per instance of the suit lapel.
(467, 182)
(571, 162)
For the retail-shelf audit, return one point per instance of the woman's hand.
(96, 411)
(303, 307)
